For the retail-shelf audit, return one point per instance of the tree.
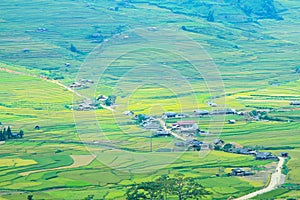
(30, 197)
(227, 147)
(141, 118)
(9, 133)
(73, 48)
(165, 183)
(134, 193)
(2, 138)
(210, 16)
(111, 100)
(183, 188)
(5, 136)
(21, 133)
(89, 197)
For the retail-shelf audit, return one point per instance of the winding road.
(276, 178)
(275, 182)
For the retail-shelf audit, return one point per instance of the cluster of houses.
(83, 83)
(199, 113)
(193, 144)
(147, 122)
(188, 128)
(247, 151)
(86, 105)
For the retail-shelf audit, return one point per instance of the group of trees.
(165, 187)
(111, 100)
(6, 134)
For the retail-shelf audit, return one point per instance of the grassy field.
(255, 61)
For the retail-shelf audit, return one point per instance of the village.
(185, 129)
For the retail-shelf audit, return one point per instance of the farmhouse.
(153, 28)
(231, 121)
(169, 115)
(26, 50)
(151, 125)
(228, 111)
(180, 144)
(101, 97)
(244, 151)
(180, 115)
(86, 105)
(75, 85)
(240, 172)
(240, 113)
(201, 112)
(15, 135)
(186, 126)
(128, 113)
(87, 81)
(161, 132)
(284, 154)
(295, 103)
(219, 142)
(264, 156)
(211, 104)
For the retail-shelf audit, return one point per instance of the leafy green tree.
(145, 190)
(21, 133)
(179, 186)
(111, 100)
(185, 188)
(134, 193)
(165, 183)
(210, 16)
(73, 48)
(5, 134)
(89, 197)
(9, 133)
(2, 138)
(30, 197)
(227, 147)
(141, 118)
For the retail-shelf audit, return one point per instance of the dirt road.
(276, 180)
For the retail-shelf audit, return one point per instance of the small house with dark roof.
(181, 115)
(162, 133)
(15, 135)
(179, 144)
(284, 154)
(240, 172)
(151, 125)
(228, 111)
(101, 97)
(128, 113)
(295, 103)
(219, 142)
(169, 115)
(201, 112)
(75, 85)
(231, 121)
